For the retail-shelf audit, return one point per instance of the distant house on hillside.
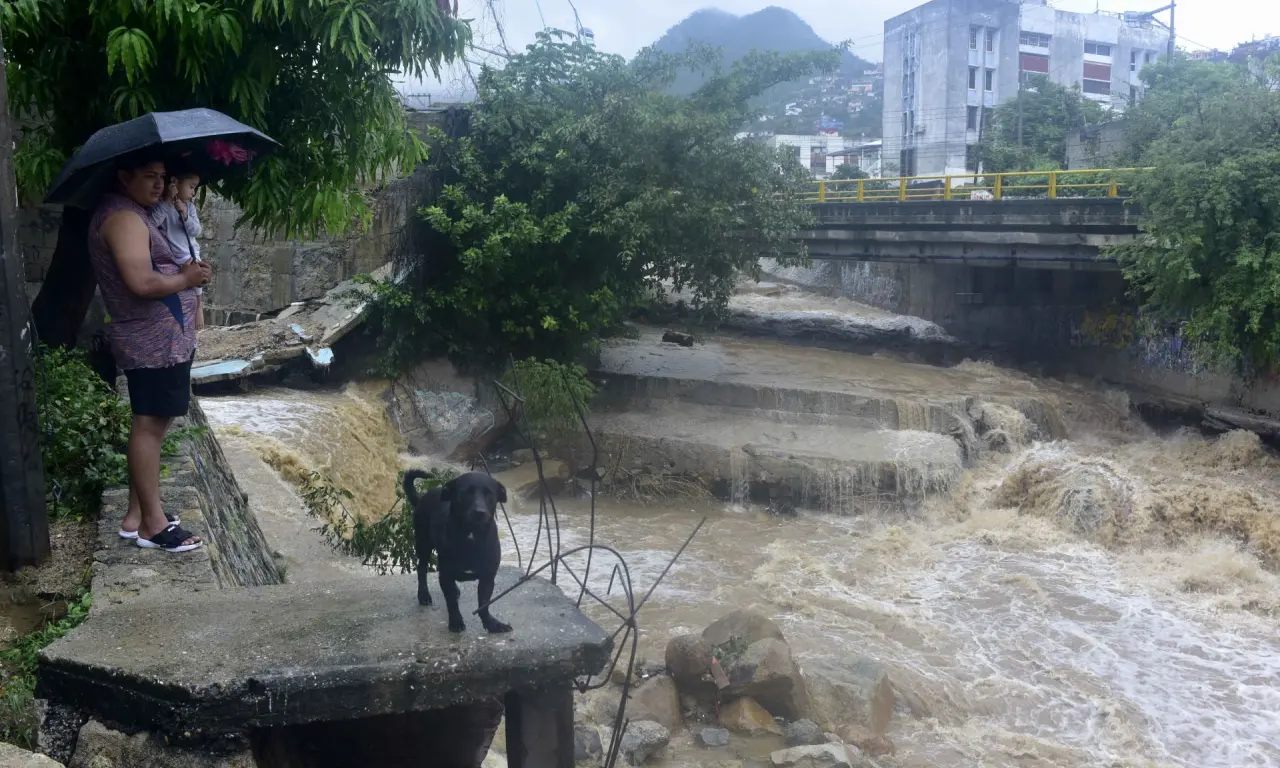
(821, 155)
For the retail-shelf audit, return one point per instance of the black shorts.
(162, 392)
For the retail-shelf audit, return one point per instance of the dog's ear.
(446, 491)
(500, 491)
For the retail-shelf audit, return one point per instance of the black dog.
(458, 521)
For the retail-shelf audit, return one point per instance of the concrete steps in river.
(816, 428)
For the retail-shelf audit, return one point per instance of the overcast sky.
(626, 26)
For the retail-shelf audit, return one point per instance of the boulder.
(814, 756)
(746, 623)
(102, 747)
(870, 742)
(746, 716)
(767, 673)
(688, 658)
(859, 693)
(598, 707)
(586, 743)
(642, 740)
(804, 733)
(16, 757)
(657, 699)
(713, 737)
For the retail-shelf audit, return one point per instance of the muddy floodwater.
(1104, 596)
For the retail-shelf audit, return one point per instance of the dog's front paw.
(424, 599)
(457, 625)
(496, 627)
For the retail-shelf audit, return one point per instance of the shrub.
(387, 545)
(19, 720)
(84, 431)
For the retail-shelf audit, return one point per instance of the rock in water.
(804, 733)
(658, 700)
(874, 744)
(642, 740)
(746, 716)
(14, 757)
(748, 624)
(688, 658)
(817, 756)
(859, 693)
(767, 673)
(676, 337)
(586, 743)
(713, 737)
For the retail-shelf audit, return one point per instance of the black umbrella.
(201, 140)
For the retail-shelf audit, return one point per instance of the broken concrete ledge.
(220, 664)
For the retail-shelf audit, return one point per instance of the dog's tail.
(410, 492)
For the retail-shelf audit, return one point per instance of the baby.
(176, 217)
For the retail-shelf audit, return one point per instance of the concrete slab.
(830, 465)
(217, 664)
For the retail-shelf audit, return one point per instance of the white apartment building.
(949, 61)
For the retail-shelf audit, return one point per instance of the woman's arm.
(126, 234)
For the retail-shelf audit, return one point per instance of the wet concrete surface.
(221, 662)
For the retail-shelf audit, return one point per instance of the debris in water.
(676, 337)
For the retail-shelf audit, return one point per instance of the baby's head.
(183, 186)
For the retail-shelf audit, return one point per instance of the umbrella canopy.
(203, 140)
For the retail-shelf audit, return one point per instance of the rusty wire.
(549, 518)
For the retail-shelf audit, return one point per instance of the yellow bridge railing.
(1093, 182)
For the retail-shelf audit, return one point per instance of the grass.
(19, 722)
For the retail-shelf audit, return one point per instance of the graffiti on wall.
(1157, 343)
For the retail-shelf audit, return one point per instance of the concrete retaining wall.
(1068, 321)
(199, 486)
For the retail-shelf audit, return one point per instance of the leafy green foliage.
(84, 429)
(584, 182)
(730, 651)
(314, 74)
(1050, 112)
(553, 393)
(1211, 247)
(19, 720)
(386, 545)
(849, 171)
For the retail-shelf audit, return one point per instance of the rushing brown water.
(1107, 599)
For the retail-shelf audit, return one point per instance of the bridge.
(1039, 220)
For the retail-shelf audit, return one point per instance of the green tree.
(583, 183)
(1210, 251)
(313, 74)
(849, 171)
(1049, 113)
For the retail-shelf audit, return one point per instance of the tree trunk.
(60, 307)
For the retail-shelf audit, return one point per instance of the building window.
(1034, 39)
(971, 119)
(1097, 87)
(1097, 49)
(818, 160)
(904, 124)
(973, 38)
(1094, 71)
(973, 78)
(1034, 62)
(991, 40)
(989, 83)
(1148, 57)
(1133, 61)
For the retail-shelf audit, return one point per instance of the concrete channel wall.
(198, 486)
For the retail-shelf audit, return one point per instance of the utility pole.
(1020, 85)
(1140, 17)
(24, 523)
